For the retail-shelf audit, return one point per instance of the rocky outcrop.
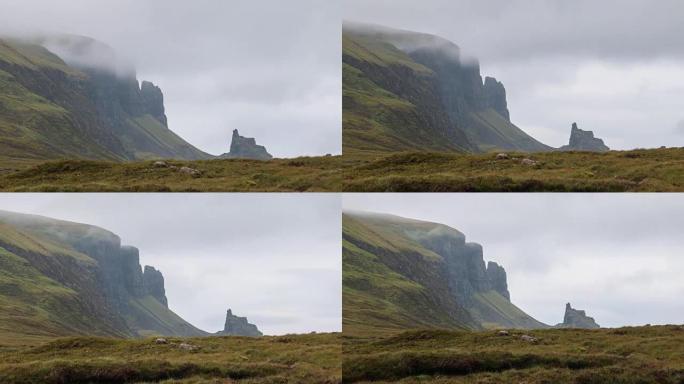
(153, 284)
(496, 275)
(153, 101)
(584, 141)
(238, 326)
(246, 148)
(575, 318)
(495, 97)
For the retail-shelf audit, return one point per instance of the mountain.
(238, 326)
(245, 148)
(578, 319)
(60, 278)
(584, 141)
(401, 273)
(408, 91)
(72, 97)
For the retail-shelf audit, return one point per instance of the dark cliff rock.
(496, 275)
(246, 148)
(153, 101)
(584, 141)
(495, 97)
(238, 326)
(153, 284)
(575, 318)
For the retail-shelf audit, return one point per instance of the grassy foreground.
(311, 358)
(646, 170)
(619, 356)
(311, 174)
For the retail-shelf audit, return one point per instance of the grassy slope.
(375, 119)
(312, 359)
(619, 356)
(148, 311)
(385, 282)
(492, 132)
(31, 126)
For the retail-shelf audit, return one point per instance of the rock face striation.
(238, 326)
(575, 318)
(111, 293)
(584, 141)
(246, 148)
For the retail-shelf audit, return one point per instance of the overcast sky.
(268, 68)
(275, 258)
(617, 256)
(614, 66)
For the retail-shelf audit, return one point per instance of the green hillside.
(396, 275)
(407, 91)
(50, 110)
(60, 278)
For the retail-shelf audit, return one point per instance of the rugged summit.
(238, 326)
(584, 141)
(412, 91)
(61, 278)
(575, 318)
(246, 148)
(72, 97)
(400, 273)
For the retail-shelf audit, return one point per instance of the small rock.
(663, 147)
(161, 341)
(160, 164)
(503, 333)
(528, 338)
(188, 347)
(528, 162)
(191, 171)
(502, 156)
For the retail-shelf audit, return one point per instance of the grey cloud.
(266, 256)
(278, 61)
(607, 254)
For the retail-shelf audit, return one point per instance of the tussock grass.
(286, 359)
(653, 354)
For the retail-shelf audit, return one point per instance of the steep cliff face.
(406, 91)
(114, 296)
(238, 326)
(400, 273)
(246, 148)
(575, 318)
(72, 104)
(584, 141)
